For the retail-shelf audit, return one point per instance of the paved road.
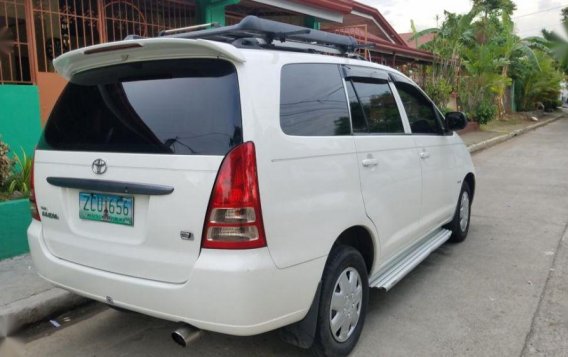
(504, 292)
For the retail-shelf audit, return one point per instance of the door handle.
(424, 155)
(369, 162)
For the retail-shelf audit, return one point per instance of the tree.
(449, 40)
(510, 47)
(557, 45)
(455, 33)
(500, 7)
(474, 52)
(537, 84)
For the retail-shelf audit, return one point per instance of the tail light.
(33, 203)
(234, 217)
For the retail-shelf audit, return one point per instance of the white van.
(241, 179)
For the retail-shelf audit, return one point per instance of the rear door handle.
(369, 162)
(424, 155)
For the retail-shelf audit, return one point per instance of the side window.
(420, 111)
(312, 101)
(358, 119)
(373, 108)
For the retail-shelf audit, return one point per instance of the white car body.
(312, 190)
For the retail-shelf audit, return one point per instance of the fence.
(34, 32)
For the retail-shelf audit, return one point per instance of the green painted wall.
(213, 10)
(19, 117)
(312, 22)
(20, 128)
(14, 221)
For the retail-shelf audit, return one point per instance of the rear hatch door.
(126, 164)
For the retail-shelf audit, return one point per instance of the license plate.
(106, 208)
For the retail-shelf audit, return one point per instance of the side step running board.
(393, 274)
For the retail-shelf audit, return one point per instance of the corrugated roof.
(382, 45)
(416, 44)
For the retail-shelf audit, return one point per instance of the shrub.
(485, 112)
(551, 104)
(21, 177)
(439, 90)
(550, 99)
(535, 85)
(446, 110)
(5, 164)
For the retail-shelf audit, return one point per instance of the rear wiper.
(169, 143)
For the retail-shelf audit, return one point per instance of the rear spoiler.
(112, 53)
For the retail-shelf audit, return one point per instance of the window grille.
(64, 25)
(14, 51)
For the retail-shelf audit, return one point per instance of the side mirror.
(456, 121)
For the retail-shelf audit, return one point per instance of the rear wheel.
(460, 223)
(343, 304)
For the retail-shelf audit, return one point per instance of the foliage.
(449, 40)
(503, 7)
(446, 110)
(5, 164)
(556, 44)
(488, 63)
(485, 112)
(474, 55)
(21, 175)
(15, 174)
(534, 85)
(439, 91)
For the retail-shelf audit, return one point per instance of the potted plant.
(15, 175)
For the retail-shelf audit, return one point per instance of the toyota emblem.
(99, 166)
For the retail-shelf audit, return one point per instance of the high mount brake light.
(110, 48)
(234, 216)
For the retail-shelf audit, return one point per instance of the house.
(416, 43)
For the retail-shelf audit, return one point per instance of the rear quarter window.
(313, 101)
(182, 107)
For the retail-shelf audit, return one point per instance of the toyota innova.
(244, 179)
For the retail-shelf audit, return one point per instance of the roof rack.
(189, 28)
(261, 33)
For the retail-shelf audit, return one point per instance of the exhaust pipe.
(186, 334)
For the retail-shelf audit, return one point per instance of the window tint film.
(312, 101)
(420, 111)
(357, 116)
(379, 106)
(189, 107)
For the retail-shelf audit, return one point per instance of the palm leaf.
(524, 48)
(552, 37)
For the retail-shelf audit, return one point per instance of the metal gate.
(34, 32)
(14, 47)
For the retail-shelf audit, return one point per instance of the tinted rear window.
(378, 105)
(187, 107)
(312, 101)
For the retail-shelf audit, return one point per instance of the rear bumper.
(233, 292)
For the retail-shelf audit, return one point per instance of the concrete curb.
(502, 138)
(36, 308)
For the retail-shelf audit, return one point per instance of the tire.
(458, 227)
(344, 262)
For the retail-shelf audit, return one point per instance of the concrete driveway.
(503, 292)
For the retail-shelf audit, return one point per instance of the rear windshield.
(184, 107)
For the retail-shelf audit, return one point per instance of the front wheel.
(460, 223)
(343, 304)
